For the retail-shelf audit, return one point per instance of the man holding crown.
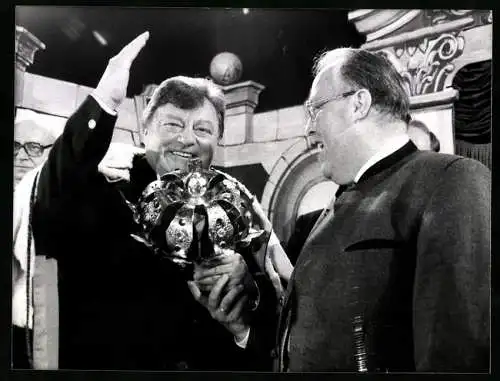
(120, 305)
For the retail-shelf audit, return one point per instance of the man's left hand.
(227, 306)
(232, 264)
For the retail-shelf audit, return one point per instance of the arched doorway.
(301, 189)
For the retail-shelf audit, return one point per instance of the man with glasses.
(31, 146)
(394, 276)
(31, 143)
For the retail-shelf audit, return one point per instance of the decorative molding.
(381, 26)
(429, 63)
(420, 33)
(438, 16)
(434, 100)
(26, 45)
(377, 23)
(394, 26)
(243, 94)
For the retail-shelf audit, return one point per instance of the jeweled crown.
(170, 209)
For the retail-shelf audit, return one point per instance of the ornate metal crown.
(169, 209)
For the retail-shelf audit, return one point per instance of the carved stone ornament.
(429, 62)
(439, 16)
(26, 45)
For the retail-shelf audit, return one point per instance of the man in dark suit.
(395, 274)
(301, 230)
(121, 307)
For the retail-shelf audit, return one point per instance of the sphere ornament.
(169, 211)
(226, 68)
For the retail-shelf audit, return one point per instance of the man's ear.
(361, 102)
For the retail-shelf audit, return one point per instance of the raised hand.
(206, 274)
(117, 162)
(112, 87)
(271, 257)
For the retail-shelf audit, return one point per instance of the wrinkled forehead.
(324, 85)
(204, 109)
(205, 113)
(328, 81)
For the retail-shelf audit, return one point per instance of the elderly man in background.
(32, 142)
(120, 307)
(31, 146)
(395, 274)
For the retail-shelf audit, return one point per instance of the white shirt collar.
(391, 146)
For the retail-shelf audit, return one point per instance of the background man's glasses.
(33, 149)
(314, 108)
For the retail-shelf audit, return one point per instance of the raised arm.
(76, 154)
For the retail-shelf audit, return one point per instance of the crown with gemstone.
(170, 208)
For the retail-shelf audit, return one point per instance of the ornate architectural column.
(241, 100)
(26, 45)
(430, 47)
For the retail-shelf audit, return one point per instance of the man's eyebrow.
(204, 121)
(173, 116)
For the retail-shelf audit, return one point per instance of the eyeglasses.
(33, 149)
(313, 108)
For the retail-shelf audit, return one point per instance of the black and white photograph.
(252, 190)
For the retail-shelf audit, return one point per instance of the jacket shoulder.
(448, 164)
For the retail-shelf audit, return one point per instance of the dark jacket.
(399, 279)
(121, 307)
(301, 231)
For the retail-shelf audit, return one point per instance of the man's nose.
(310, 133)
(22, 155)
(309, 128)
(187, 136)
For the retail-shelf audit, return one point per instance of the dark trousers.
(20, 359)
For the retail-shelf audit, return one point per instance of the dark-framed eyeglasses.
(33, 149)
(313, 108)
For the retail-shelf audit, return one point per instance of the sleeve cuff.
(244, 341)
(104, 106)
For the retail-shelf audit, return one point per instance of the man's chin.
(19, 172)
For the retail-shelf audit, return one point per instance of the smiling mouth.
(184, 155)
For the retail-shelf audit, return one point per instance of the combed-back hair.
(375, 72)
